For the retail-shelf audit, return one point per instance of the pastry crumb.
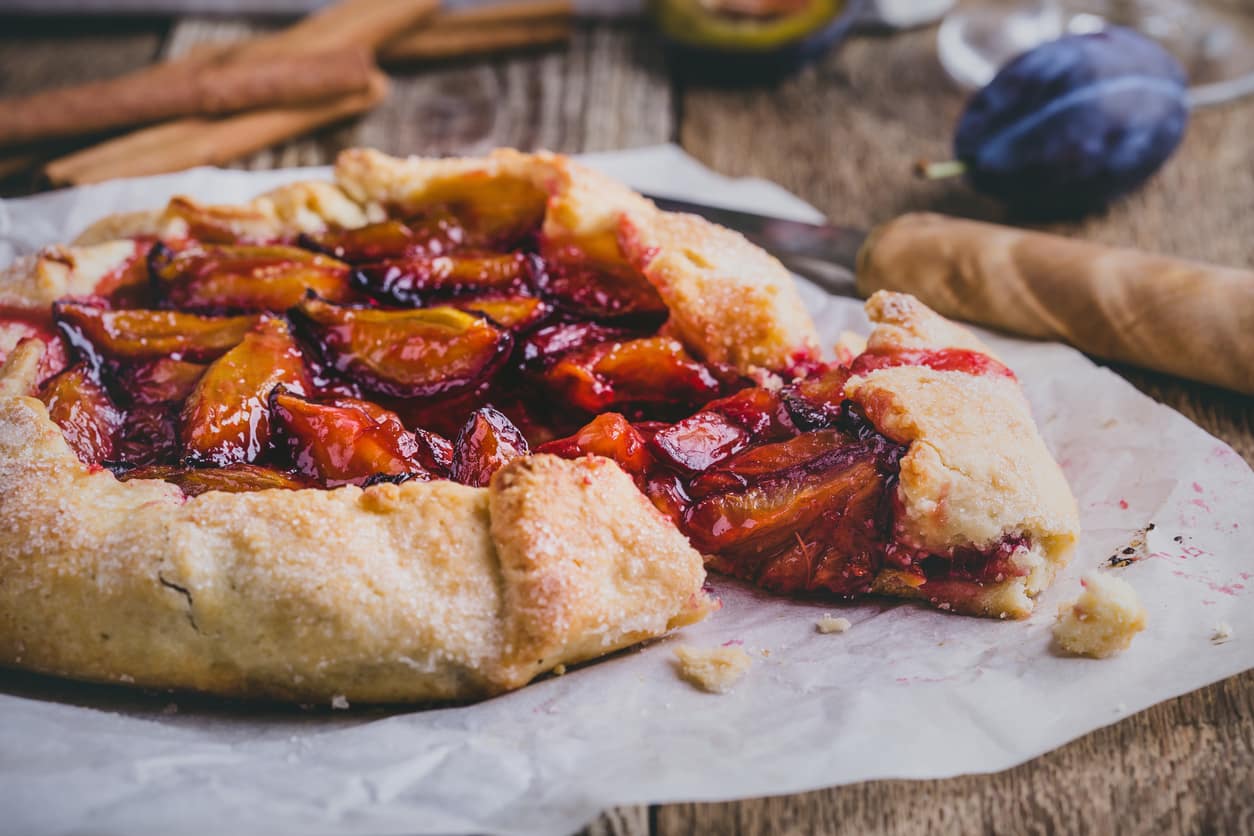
(339, 702)
(1103, 620)
(833, 624)
(1223, 632)
(559, 670)
(714, 669)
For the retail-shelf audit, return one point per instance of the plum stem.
(939, 171)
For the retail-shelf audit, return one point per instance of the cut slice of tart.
(914, 471)
(447, 424)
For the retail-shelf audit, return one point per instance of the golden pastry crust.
(435, 590)
(297, 207)
(977, 471)
(730, 302)
(426, 590)
(1103, 620)
(418, 591)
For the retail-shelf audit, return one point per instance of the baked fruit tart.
(439, 426)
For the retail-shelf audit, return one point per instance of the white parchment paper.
(906, 693)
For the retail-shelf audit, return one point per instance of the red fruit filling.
(446, 344)
(941, 359)
(793, 490)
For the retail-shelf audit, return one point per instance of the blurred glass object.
(1213, 39)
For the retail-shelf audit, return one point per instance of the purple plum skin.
(1075, 123)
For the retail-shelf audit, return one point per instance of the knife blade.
(824, 253)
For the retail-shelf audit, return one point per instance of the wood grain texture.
(37, 55)
(842, 134)
(1185, 766)
(845, 132)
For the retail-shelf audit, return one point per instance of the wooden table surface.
(842, 134)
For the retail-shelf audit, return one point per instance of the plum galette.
(439, 426)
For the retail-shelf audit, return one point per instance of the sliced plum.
(226, 419)
(486, 443)
(244, 277)
(385, 239)
(434, 234)
(418, 280)
(545, 346)
(149, 436)
(814, 402)
(516, 313)
(164, 380)
(601, 292)
(435, 452)
(666, 491)
(652, 370)
(87, 417)
(497, 211)
(234, 478)
(610, 435)
(407, 353)
(722, 428)
(344, 441)
(810, 513)
(133, 334)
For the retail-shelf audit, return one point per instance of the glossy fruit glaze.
(792, 489)
(441, 346)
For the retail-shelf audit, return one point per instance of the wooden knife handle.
(1186, 318)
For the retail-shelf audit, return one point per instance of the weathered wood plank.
(37, 55)
(603, 91)
(1186, 766)
(844, 134)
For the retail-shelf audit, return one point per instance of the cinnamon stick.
(349, 23)
(483, 29)
(496, 14)
(185, 143)
(444, 42)
(183, 89)
(364, 23)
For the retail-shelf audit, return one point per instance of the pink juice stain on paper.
(920, 680)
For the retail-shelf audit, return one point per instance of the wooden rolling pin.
(1186, 318)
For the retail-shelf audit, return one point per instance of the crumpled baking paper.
(906, 693)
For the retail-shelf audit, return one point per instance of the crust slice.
(977, 470)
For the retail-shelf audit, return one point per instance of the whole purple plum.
(1076, 122)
